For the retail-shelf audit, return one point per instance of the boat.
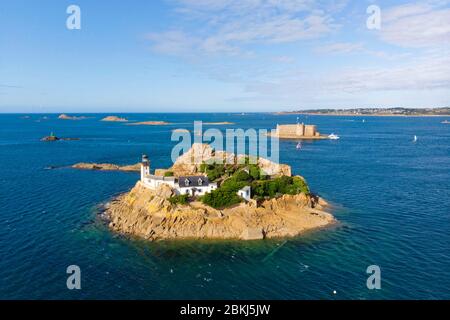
(445, 122)
(333, 136)
(415, 139)
(298, 146)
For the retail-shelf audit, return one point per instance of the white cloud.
(172, 42)
(426, 73)
(341, 47)
(228, 26)
(350, 48)
(284, 59)
(431, 72)
(417, 25)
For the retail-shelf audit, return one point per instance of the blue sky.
(222, 55)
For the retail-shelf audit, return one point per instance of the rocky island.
(107, 167)
(67, 117)
(52, 138)
(217, 201)
(148, 123)
(114, 119)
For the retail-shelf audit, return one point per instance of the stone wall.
(297, 130)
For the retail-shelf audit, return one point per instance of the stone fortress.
(298, 131)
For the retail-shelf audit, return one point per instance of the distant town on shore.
(445, 111)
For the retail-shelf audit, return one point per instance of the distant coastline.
(374, 112)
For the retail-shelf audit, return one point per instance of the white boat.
(415, 139)
(299, 145)
(333, 136)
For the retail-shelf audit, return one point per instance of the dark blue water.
(391, 196)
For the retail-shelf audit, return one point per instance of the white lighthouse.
(145, 167)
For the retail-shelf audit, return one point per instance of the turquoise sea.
(390, 195)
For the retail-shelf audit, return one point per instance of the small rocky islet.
(114, 119)
(64, 116)
(148, 123)
(106, 167)
(53, 138)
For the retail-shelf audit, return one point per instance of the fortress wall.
(297, 130)
(287, 129)
(310, 130)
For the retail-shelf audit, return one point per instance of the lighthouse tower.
(145, 167)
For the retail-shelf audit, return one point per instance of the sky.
(223, 55)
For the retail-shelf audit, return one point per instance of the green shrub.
(215, 171)
(278, 186)
(301, 185)
(179, 199)
(254, 172)
(168, 174)
(221, 198)
(241, 175)
(262, 186)
(232, 185)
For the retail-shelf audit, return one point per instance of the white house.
(245, 193)
(191, 185)
(195, 185)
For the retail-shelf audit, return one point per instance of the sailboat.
(298, 146)
(415, 139)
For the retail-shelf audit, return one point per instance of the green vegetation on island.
(233, 178)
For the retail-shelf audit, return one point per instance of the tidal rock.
(107, 167)
(67, 117)
(114, 119)
(50, 138)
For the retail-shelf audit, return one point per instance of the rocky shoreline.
(149, 214)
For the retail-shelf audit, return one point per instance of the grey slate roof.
(193, 181)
